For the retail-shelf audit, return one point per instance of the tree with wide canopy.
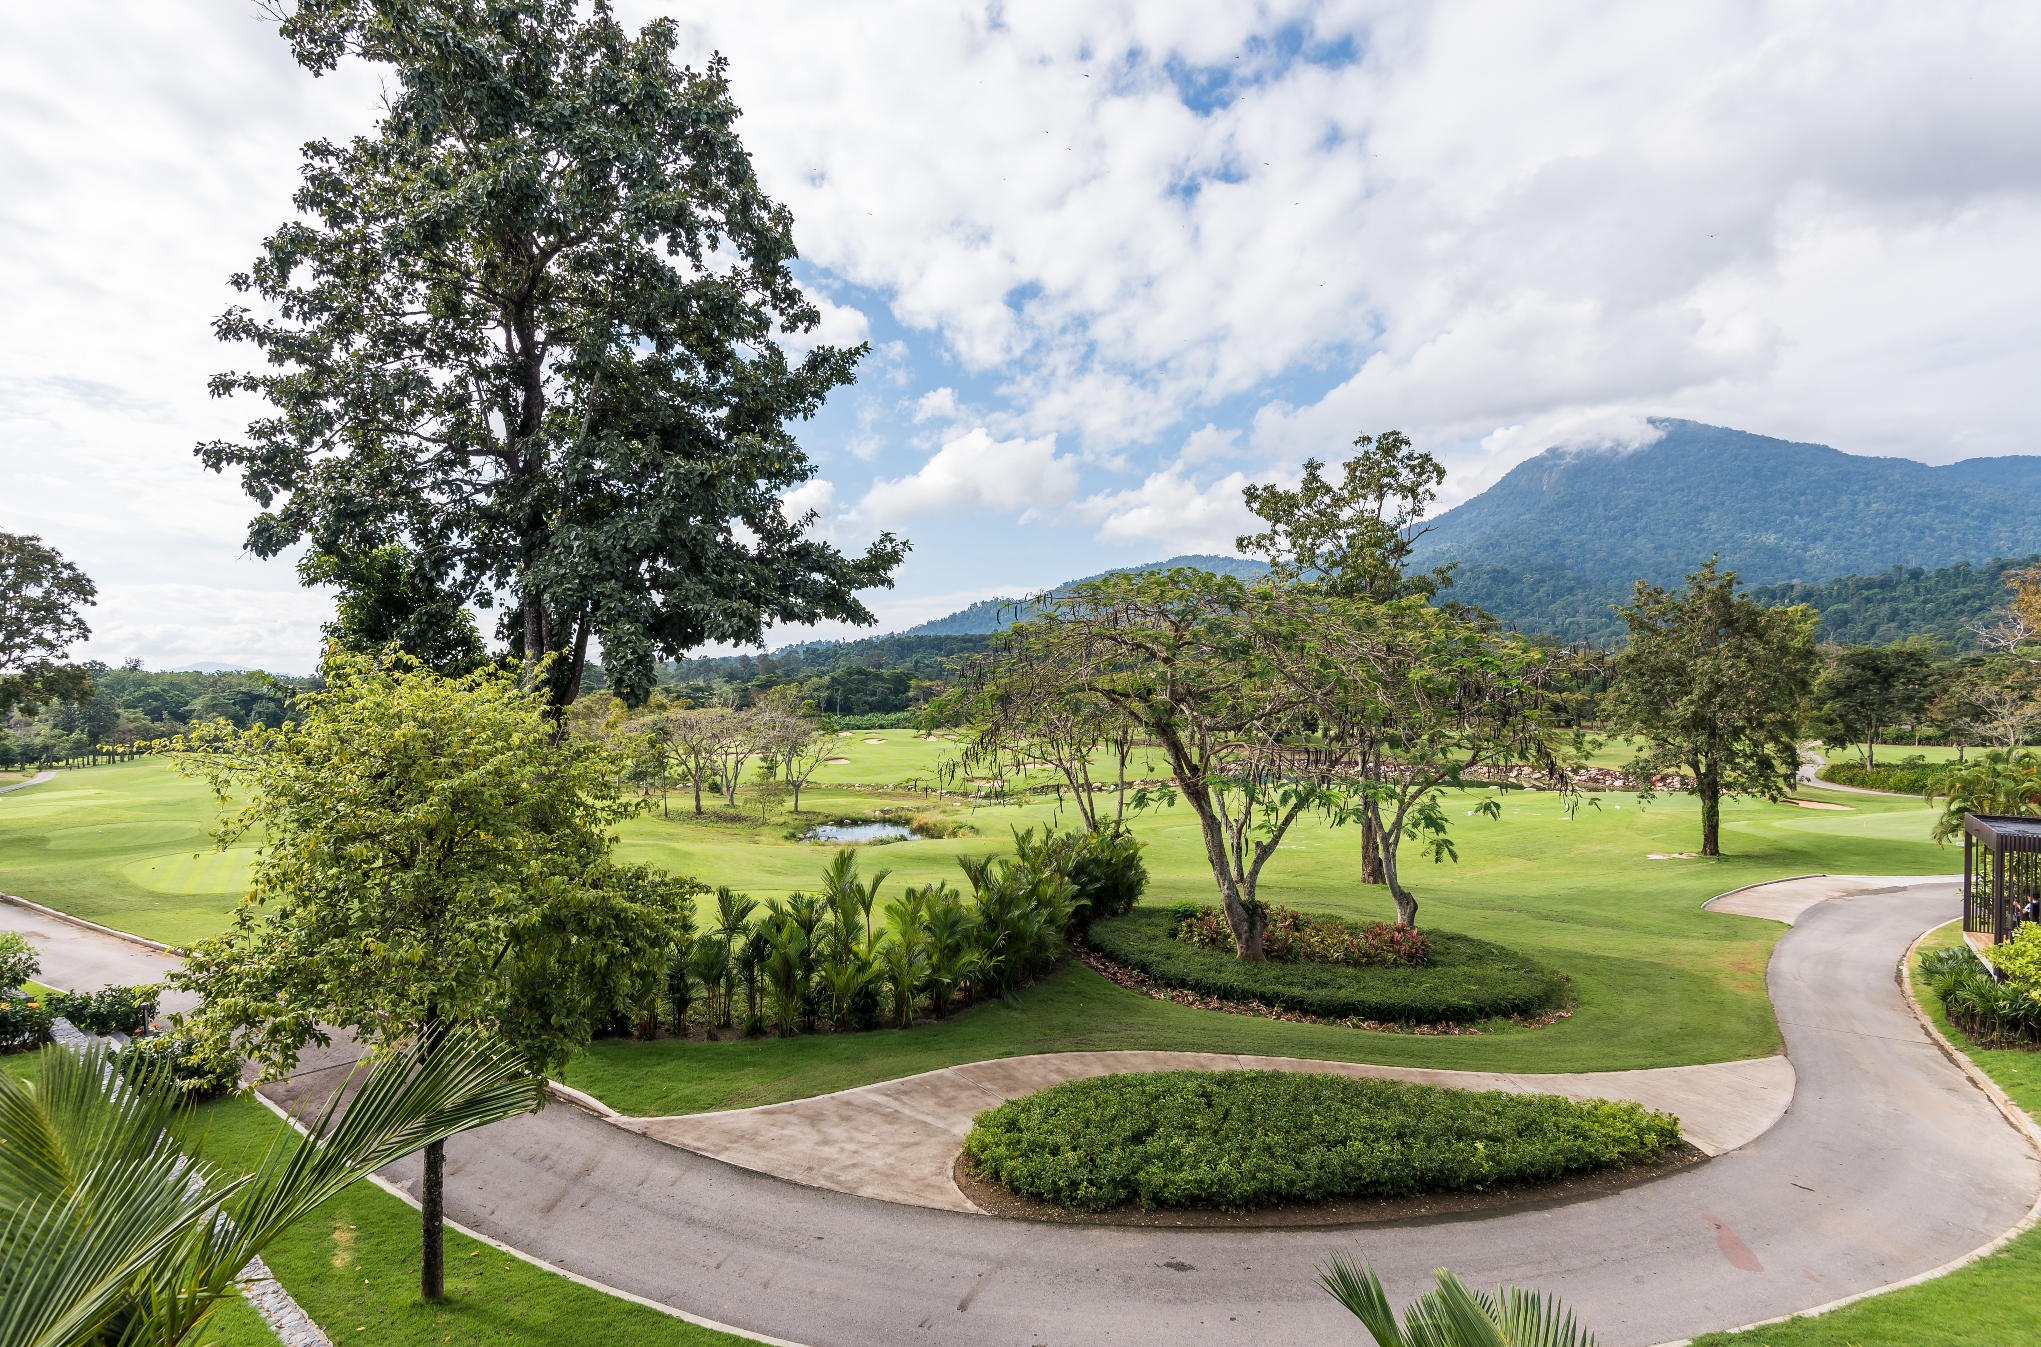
(539, 331)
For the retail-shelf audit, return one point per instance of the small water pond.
(856, 832)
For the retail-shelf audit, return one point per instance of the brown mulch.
(1132, 980)
(998, 1200)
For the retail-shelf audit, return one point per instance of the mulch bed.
(1135, 981)
(1429, 1208)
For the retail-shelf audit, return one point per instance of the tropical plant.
(110, 1010)
(1998, 782)
(1452, 1315)
(905, 955)
(1867, 688)
(111, 1232)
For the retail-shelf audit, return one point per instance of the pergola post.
(1969, 864)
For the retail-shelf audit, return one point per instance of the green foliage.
(1903, 778)
(1299, 937)
(19, 962)
(1103, 867)
(431, 857)
(1947, 605)
(182, 1060)
(1992, 1012)
(387, 598)
(24, 1023)
(1466, 979)
(1864, 689)
(1242, 1139)
(1353, 539)
(2018, 960)
(1995, 782)
(1452, 1315)
(110, 1010)
(1712, 683)
(531, 329)
(114, 1233)
(40, 598)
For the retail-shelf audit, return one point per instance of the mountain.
(1564, 535)
(1906, 601)
(991, 615)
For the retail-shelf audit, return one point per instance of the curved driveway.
(1888, 1164)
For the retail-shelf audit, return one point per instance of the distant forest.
(1905, 601)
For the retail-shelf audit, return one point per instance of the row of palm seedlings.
(840, 958)
(1995, 1012)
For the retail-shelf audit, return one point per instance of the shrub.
(1990, 1012)
(1106, 873)
(1240, 1139)
(197, 1073)
(1299, 937)
(933, 824)
(1466, 979)
(23, 1024)
(2019, 959)
(1904, 778)
(110, 1010)
(18, 961)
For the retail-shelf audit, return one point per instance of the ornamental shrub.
(1241, 1139)
(1990, 1012)
(2019, 960)
(1299, 937)
(195, 1072)
(1904, 778)
(110, 1010)
(23, 1024)
(1465, 978)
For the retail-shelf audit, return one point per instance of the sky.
(1114, 261)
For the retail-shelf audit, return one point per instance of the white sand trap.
(875, 741)
(1821, 804)
(837, 762)
(1673, 856)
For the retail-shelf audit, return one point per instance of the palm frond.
(1360, 1290)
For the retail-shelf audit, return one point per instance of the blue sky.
(1115, 260)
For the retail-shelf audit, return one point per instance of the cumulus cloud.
(1172, 509)
(975, 472)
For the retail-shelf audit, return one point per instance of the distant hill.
(1905, 601)
(991, 615)
(1564, 535)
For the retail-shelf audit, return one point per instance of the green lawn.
(353, 1266)
(1995, 1300)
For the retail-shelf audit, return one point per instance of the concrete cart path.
(35, 780)
(79, 959)
(898, 1141)
(1786, 899)
(1888, 1164)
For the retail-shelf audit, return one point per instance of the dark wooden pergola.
(2001, 871)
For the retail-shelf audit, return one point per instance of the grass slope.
(1993, 1301)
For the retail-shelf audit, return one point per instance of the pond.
(856, 832)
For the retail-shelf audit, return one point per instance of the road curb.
(83, 924)
(587, 1103)
(1745, 888)
(2022, 1122)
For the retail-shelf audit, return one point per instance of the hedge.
(1241, 1139)
(1467, 979)
(1913, 778)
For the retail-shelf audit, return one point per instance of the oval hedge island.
(1240, 1140)
(1445, 979)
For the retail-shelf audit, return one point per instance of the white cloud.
(972, 472)
(818, 494)
(1172, 509)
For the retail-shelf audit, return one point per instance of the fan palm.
(1452, 1315)
(109, 1231)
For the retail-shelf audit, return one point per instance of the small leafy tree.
(797, 740)
(1866, 688)
(1022, 711)
(432, 860)
(1714, 684)
(40, 598)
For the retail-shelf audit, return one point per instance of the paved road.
(1889, 1163)
(35, 780)
(78, 959)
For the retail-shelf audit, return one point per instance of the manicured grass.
(1236, 1140)
(1466, 979)
(127, 845)
(1994, 1301)
(353, 1266)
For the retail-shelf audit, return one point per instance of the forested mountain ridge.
(990, 615)
(1776, 511)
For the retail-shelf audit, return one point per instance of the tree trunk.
(1371, 845)
(797, 792)
(1710, 791)
(1406, 901)
(432, 1209)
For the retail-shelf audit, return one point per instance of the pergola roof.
(2004, 832)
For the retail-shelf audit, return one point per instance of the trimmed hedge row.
(1467, 979)
(1908, 779)
(1241, 1139)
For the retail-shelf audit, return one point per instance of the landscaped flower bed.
(1236, 1140)
(1464, 979)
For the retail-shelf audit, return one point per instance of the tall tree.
(1714, 685)
(531, 330)
(1866, 688)
(1353, 539)
(40, 598)
(431, 861)
(387, 598)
